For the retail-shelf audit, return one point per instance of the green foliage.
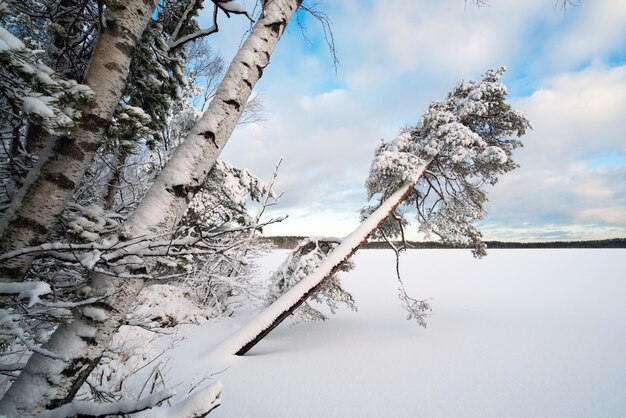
(154, 84)
(31, 92)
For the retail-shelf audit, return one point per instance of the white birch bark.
(54, 382)
(38, 206)
(248, 336)
(48, 383)
(184, 174)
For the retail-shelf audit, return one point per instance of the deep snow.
(520, 333)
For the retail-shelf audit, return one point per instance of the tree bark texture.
(36, 210)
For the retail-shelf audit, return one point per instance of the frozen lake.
(520, 333)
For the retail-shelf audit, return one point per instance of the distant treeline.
(289, 242)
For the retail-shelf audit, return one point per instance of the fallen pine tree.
(441, 166)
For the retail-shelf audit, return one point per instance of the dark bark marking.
(90, 340)
(248, 83)
(89, 146)
(210, 136)
(275, 27)
(260, 70)
(13, 273)
(68, 147)
(94, 123)
(178, 190)
(60, 180)
(183, 191)
(72, 367)
(112, 66)
(21, 222)
(233, 103)
(125, 48)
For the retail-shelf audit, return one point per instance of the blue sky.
(567, 72)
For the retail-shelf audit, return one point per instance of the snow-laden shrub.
(302, 261)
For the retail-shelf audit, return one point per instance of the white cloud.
(576, 116)
(597, 27)
(611, 215)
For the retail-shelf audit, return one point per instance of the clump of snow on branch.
(167, 305)
(34, 88)
(26, 290)
(394, 164)
(90, 223)
(302, 261)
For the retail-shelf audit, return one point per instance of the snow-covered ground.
(521, 333)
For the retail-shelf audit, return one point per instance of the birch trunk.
(184, 174)
(248, 336)
(55, 382)
(47, 383)
(37, 207)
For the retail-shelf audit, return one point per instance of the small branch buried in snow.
(196, 405)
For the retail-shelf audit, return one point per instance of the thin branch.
(173, 44)
(327, 28)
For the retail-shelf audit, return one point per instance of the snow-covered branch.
(93, 410)
(226, 6)
(196, 405)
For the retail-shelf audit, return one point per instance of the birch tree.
(441, 166)
(36, 209)
(76, 346)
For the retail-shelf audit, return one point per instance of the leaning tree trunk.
(184, 174)
(36, 209)
(248, 336)
(163, 207)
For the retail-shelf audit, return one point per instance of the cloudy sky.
(567, 72)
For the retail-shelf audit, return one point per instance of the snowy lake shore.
(520, 333)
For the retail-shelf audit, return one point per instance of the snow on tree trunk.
(183, 176)
(55, 382)
(47, 383)
(247, 337)
(36, 210)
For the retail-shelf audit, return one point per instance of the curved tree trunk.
(36, 209)
(162, 208)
